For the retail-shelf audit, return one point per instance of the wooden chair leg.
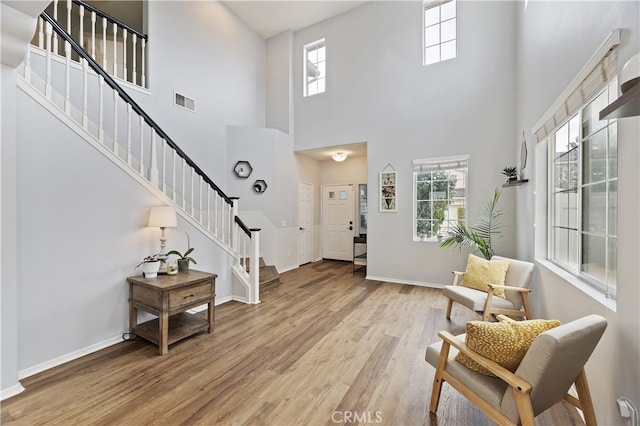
(525, 410)
(449, 306)
(437, 380)
(584, 395)
(527, 307)
(486, 312)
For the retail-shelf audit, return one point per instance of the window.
(439, 193)
(439, 31)
(315, 66)
(583, 195)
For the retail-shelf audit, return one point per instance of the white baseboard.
(288, 268)
(9, 392)
(399, 281)
(68, 357)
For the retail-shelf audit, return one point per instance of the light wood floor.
(323, 347)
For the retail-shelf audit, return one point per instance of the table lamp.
(163, 217)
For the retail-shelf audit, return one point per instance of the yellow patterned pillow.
(480, 273)
(504, 342)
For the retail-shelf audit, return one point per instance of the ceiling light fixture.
(339, 156)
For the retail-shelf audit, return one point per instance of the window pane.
(321, 54)
(574, 131)
(321, 69)
(613, 208)
(432, 16)
(321, 87)
(593, 256)
(432, 35)
(448, 10)
(562, 209)
(574, 240)
(312, 88)
(561, 244)
(423, 210)
(449, 30)
(432, 54)
(423, 190)
(613, 151)
(572, 209)
(312, 56)
(595, 158)
(449, 50)
(590, 121)
(562, 139)
(594, 208)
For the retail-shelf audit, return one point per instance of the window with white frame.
(439, 194)
(439, 35)
(315, 67)
(583, 189)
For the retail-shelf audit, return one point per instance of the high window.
(439, 193)
(584, 194)
(315, 66)
(439, 31)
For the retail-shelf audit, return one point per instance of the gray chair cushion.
(475, 299)
(518, 275)
(489, 388)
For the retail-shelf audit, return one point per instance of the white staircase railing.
(117, 47)
(90, 101)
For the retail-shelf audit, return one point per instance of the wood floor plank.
(325, 347)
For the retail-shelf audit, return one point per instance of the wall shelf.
(515, 183)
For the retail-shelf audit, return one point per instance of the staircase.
(107, 118)
(269, 277)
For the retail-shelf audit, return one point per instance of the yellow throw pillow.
(504, 342)
(480, 273)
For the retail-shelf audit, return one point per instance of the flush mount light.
(339, 156)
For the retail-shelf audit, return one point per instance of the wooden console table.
(168, 297)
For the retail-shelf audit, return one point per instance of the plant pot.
(183, 265)
(150, 269)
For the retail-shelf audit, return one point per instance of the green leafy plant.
(510, 172)
(480, 236)
(186, 254)
(148, 259)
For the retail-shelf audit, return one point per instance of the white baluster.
(124, 55)
(81, 14)
(129, 134)
(55, 18)
(200, 196)
(69, 16)
(40, 33)
(215, 213)
(115, 49)
(104, 43)
(191, 182)
(27, 66)
(101, 108)
(173, 178)
(67, 75)
(141, 170)
(208, 208)
(93, 35)
(85, 95)
(153, 165)
(47, 85)
(184, 175)
(115, 122)
(143, 80)
(164, 166)
(134, 77)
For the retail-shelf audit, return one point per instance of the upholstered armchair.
(553, 362)
(515, 287)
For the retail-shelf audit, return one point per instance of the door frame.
(322, 218)
(312, 231)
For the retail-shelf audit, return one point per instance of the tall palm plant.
(479, 237)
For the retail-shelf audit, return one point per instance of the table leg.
(133, 317)
(163, 340)
(211, 314)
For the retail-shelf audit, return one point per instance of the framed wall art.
(388, 190)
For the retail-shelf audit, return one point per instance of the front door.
(337, 222)
(305, 222)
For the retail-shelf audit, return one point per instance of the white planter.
(150, 269)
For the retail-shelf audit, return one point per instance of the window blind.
(581, 95)
(440, 163)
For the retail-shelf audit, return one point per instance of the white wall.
(378, 91)
(555, 40)
(279, 76)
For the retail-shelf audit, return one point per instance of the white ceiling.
(269, 18)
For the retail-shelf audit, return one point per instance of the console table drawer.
(189, 295)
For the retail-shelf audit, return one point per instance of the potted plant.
(478, 237)
(511, 173)
(150, 266)
(184, 259)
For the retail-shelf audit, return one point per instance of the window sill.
(578, 283)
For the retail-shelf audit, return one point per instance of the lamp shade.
(163, 217)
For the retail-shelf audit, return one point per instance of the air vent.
(185, 102)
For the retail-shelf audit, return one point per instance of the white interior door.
(305, 222)
(337, 222)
